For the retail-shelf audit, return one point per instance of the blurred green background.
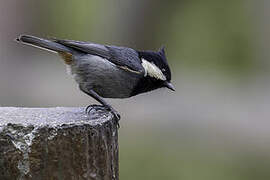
(215, 126)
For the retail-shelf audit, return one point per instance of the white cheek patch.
(152, 70)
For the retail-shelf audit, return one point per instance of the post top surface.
(55, 116)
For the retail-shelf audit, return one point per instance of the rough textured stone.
(58, 144)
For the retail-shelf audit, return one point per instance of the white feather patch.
(152, 70)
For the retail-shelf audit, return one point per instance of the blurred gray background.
(215, 126)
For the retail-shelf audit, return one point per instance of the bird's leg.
(94, 95)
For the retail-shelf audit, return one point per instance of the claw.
(115, 114)
(89, 108)
(117, 117)
(87, 111)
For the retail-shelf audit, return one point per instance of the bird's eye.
(163, 70)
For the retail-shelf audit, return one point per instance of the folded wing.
(125, 58)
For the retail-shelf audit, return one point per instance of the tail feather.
(43, 44)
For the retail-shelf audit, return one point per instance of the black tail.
(43, 43)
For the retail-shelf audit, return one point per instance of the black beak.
(169, 85)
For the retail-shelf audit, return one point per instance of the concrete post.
(58, 144)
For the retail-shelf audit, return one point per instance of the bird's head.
(156, 68)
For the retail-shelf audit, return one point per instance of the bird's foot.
(117, 116)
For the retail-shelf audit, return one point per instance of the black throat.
(146, 84)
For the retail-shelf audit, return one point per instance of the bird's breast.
(104, 77)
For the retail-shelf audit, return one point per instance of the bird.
(108, 71)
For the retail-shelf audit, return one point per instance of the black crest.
(162, 51)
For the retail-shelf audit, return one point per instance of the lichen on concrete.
(22, 139)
